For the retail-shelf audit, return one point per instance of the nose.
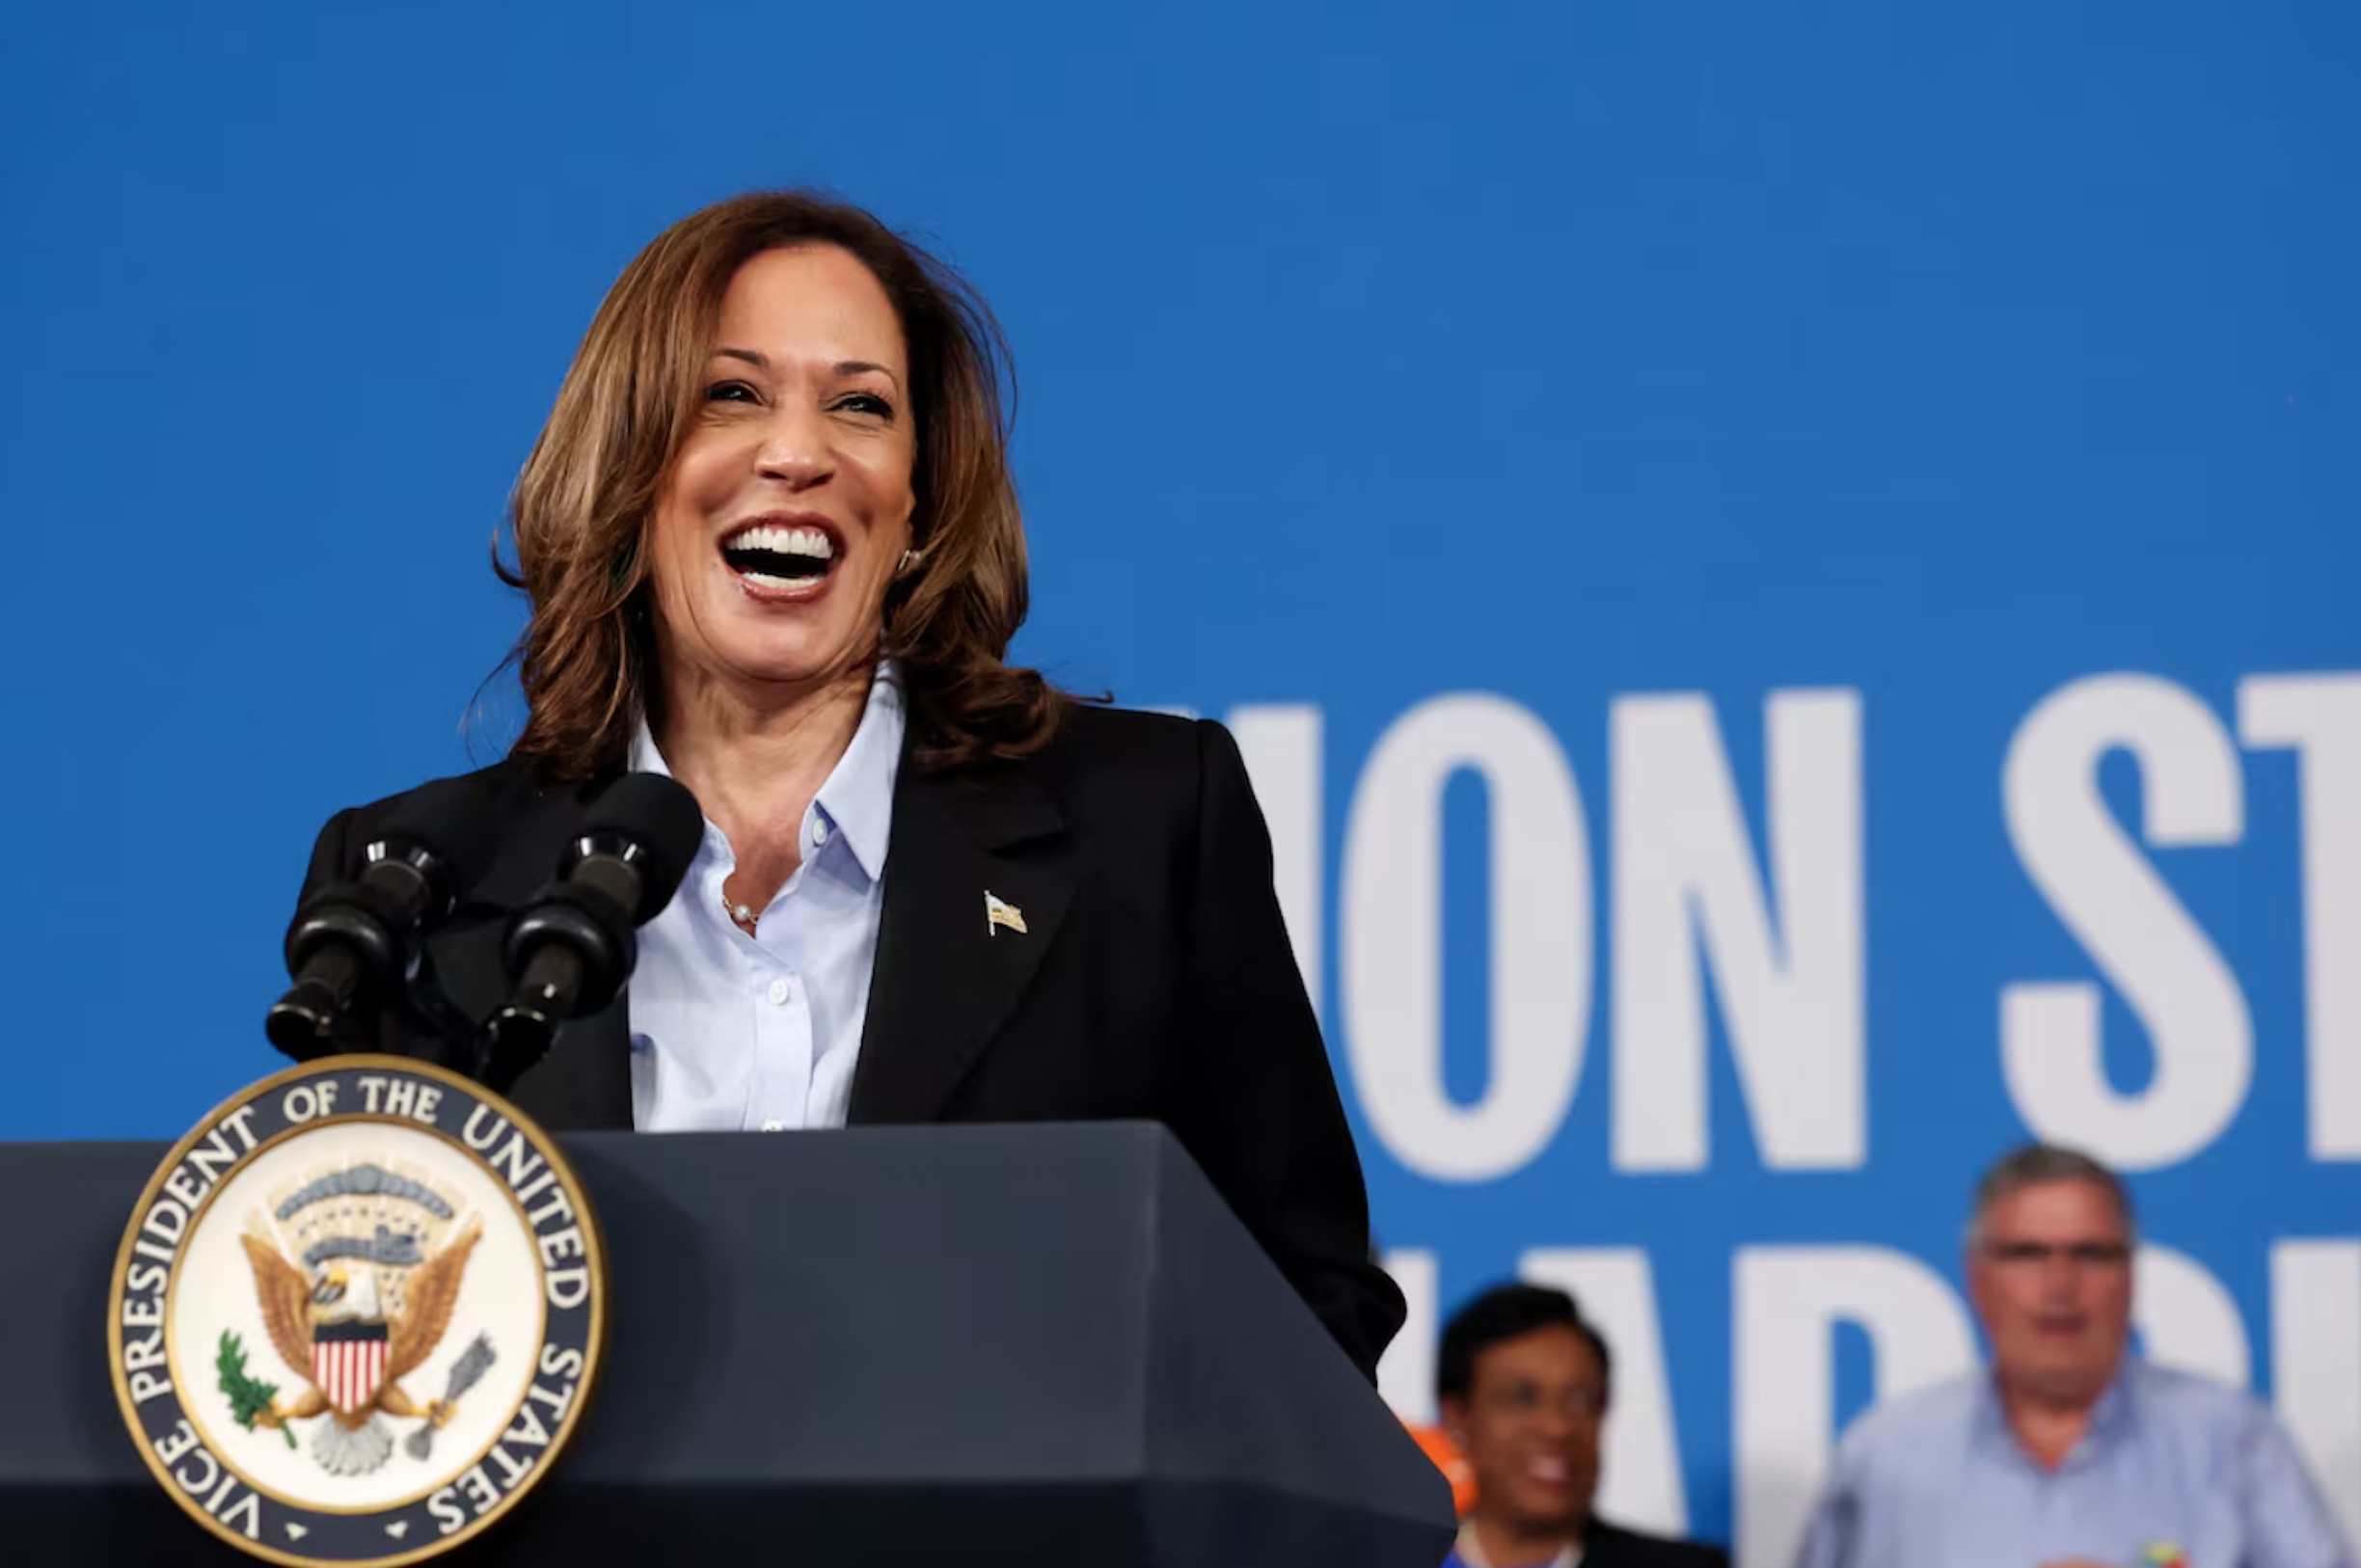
(795, 447)
(2061, 1280)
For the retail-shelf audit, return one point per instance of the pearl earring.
(909, 559)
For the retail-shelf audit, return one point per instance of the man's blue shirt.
(2172, 1464)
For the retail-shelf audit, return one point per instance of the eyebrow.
(843, 367)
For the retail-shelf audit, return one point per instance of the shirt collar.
(2115, 1407)
(2109, 1417)
(858, 794)
(1470, 1550)
(858, 797)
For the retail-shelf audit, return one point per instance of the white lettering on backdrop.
(2320, 715)
(1686, 895)
(2134, 929)
(1390, 938)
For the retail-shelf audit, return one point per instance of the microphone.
(569, 951)
(351, 944)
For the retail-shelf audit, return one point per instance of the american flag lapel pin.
(999, 913)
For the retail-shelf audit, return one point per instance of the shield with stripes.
(348, 1362)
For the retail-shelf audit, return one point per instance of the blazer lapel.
(950, 967)
(584, 1082)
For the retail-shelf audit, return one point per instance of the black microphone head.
(450, 819)
(662, 824)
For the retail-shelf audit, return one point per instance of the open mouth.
(778, 555)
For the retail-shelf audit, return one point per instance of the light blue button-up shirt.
(2171, 1463)
(760, 1033)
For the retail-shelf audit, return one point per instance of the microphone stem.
(302, 1023)
(520, 1032)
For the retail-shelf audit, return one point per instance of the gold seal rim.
(594, 1258)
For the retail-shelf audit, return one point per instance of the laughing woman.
(772, 548)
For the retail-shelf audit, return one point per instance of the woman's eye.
(868, 403)
(729, 392)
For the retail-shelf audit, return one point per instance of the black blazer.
(1610, 1545)
(1153, 982)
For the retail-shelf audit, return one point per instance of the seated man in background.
(2070, 1450)
(1521, 1383)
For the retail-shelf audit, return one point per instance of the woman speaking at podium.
(772, 548)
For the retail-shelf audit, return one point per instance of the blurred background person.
(2071, 1448)
(1522, 1381)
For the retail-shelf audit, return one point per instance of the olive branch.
(249, 1397)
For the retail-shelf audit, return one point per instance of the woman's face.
(788, 501)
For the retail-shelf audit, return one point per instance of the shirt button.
(780, 990)
(775, 1127)
(819, 830)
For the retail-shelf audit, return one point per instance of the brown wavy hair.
(583, 506)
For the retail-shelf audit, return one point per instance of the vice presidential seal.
(357, 1314)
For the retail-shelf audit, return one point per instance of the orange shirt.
(1439, 1448)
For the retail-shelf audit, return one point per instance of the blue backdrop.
(1786, 574)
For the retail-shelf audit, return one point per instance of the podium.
(1046, 1346)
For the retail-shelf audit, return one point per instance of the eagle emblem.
(356, 1272)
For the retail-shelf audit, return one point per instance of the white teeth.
(789, 541)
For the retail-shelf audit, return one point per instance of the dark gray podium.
(1046, 1346)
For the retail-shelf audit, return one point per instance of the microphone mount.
(569, 950)
(350, 944)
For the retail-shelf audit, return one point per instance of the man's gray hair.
(2042, 1165)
